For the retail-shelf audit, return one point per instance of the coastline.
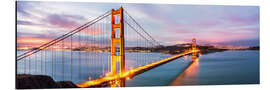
(28, 81)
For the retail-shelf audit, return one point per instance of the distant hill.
(254, 48)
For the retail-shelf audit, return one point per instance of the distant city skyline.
(40, 22)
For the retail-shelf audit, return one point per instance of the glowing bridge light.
(128, 78)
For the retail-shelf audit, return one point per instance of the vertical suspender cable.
(71, 57)
(45, 63)
(30, 65)
(63, 72)
(79, 48)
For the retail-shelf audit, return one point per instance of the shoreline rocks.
(27, 81)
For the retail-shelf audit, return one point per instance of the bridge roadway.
(133, 72)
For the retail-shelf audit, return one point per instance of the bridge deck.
(132, 72)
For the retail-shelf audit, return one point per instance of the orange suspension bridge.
(109, 45)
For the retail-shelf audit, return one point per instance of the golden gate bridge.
(113, 41)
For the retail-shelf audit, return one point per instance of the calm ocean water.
(229, 67)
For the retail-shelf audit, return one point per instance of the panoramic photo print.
(93, 45)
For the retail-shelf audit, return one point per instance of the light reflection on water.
(191, 71)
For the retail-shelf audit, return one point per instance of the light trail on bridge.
(133, 72)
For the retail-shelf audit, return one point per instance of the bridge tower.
(117, 46)
(194, 47)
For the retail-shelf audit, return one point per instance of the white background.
(7, 43)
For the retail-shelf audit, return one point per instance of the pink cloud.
(206, 23)
(31, 42)
(60, 21)
(241, 20)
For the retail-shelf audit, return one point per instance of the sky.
(39, 21)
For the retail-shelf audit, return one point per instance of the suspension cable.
(139, 33)
(141, 27)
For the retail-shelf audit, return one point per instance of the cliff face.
(26, 81)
